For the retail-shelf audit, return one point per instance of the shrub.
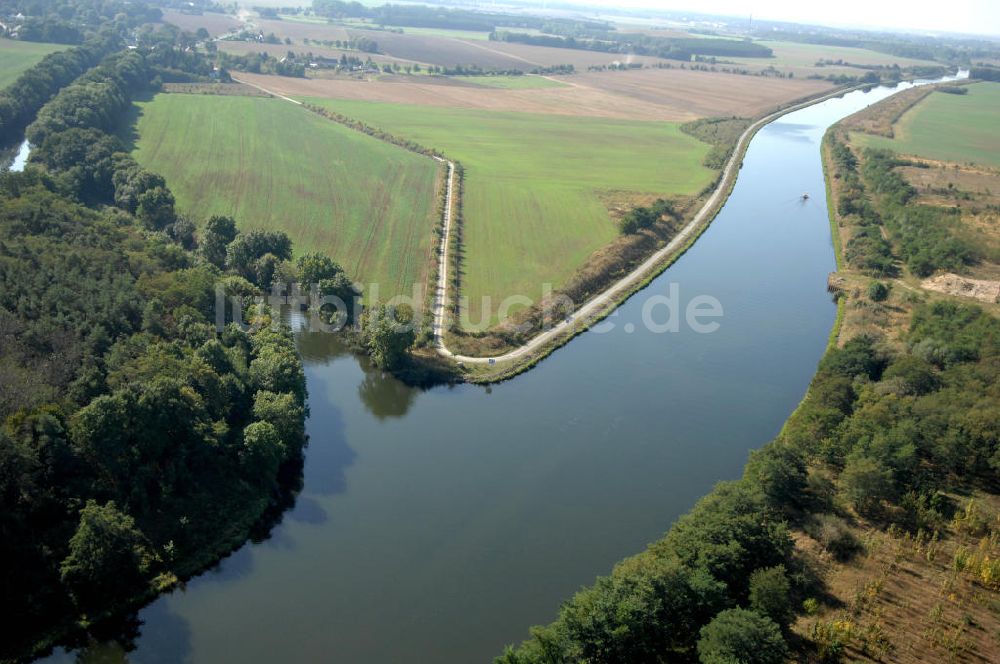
(769, 589)
(746, 637)
(834, 534)
(878, 291)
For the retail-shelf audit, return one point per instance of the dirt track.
(601, 304)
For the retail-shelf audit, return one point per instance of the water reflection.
(446, 548)
(116, 641)
(384, 396)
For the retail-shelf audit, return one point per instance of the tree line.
(891, 432)
(22, 99)
(138, 442)
(671, 48)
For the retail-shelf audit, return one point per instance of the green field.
(447, 33)
(958, 128)
(533, 210)
(297, 18)
(527, 82)
(16, 56)
(370, 205)
(793, 54)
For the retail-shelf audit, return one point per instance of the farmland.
(512, 82)
(674, 95)
(792, 54)
(16, 56)
(216, 24)
(533, 210)
(930, 130)
(801, 59)
(369, 204)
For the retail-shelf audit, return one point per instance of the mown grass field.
(370, 205)
(533, 210)
(794, 54)
(513, 82)
(959, 128)
(16, 56)
(447, 33)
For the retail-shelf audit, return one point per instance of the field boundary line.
(270, 92)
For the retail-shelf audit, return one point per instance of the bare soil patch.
(435, 50)
(546, 57)
(947, 184)
(693, 94)
(953, 284)
(905, 599)
(657, 95)
(298, 30)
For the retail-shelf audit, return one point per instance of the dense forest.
(143, 430)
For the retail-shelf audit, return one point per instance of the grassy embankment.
(537, 187)
(17, 56)
(368, 204)
(886, 478)
(947, 127)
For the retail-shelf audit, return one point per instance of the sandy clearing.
(953, 284)
(655, 95)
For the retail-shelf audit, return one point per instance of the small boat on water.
(805, 197)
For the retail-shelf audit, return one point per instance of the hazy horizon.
(974, 17)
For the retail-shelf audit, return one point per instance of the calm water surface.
(14, 157)
(436, 526)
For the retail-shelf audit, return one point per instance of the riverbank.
(486, 370)
(860, 528)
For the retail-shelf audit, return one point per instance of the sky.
(967, 16)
